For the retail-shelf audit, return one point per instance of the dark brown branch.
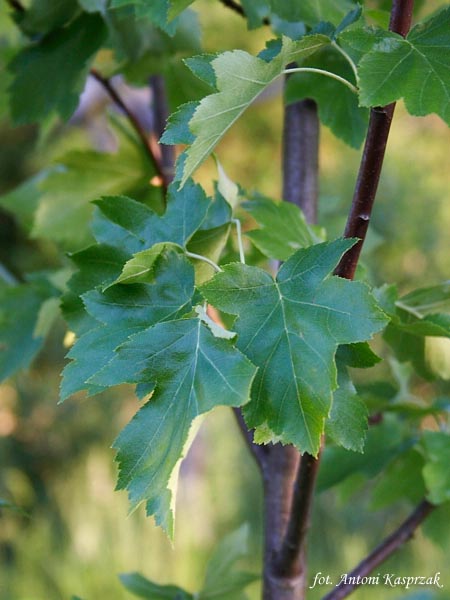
(290, 559)
(234, 6)
(16, 5)
(279, 477)
(108, 87)
(160, 109)
(239, 10)
(259, 453)
(392, 543)
(372, 158)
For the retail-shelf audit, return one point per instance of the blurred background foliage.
(75, 535)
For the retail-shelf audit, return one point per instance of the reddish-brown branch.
(115, 97)
(160, 109)
(392, 543)
(372, 158)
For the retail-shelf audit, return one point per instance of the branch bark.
(372, 158)
(392, 543)
(259, 453)
(116, 98)
(301, 160)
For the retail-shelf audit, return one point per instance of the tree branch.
(108, 87)
(237, 8)
(259, 453)
(290, 559)
(160, 110)
(301, 157)
(392, 543)
(16, 5)
(372, 158)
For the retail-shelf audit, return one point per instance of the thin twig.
(16, 5)
(160, 111)
(392, 543)
(237, 8)
(372, 159)
(112, 92)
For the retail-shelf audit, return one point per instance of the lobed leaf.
(290, 328)
(283, 228)
(240, 79)
(415, 68)
(188, 371)
(122, 310)
(37, 88)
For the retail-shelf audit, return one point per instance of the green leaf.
(313, 12)
(123, 310)
(44, 16)
(65, 206)
(93, 5)
(189, 372)
(23, 200)
(415, 68)
(139, 269)
(241, 78)
(338, 106)
(177, 131)
(360, 356)
(19, 311)
(98, 265)
(38, 87)
(436, 473)
(347, 423)
(156, 11)
(143, 588)
(401, 480)
(283, 228)
(425, 301)
(222, 581)
(135, 227)
(415, 329)
(290, 329)
(383, 444)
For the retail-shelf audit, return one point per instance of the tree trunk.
(286, 580)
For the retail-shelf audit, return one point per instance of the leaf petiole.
(204, 259)
(347, 57)
(350, 86)
(239, 239)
